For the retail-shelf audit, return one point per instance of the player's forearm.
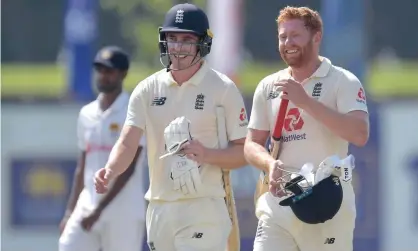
(257, 155)
(229, 158)
(352, 129)
(121, 157)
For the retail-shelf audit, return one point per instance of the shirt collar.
(196, 79)
(322, 70)
(119, 102)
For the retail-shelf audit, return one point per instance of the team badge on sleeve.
(361, 96)
(243, 118)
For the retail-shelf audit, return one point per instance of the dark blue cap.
(318, 203)
(186, 18)
(112, 57)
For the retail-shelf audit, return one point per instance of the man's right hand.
(101, 180)
(276, 184)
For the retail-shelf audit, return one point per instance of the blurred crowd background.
(46, 51)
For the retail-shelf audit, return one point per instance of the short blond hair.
(311, 18)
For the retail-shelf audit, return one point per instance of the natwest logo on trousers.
(293, 123)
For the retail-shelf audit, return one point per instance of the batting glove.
(184, 171)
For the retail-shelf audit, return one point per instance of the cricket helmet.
(185, 18)
(320, 201)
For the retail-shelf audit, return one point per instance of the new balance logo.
(329, 241)
(316, 93)
(158, 101)
(197, 235)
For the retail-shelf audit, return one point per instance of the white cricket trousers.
(116, 234)
(201, 224)
(279, 229)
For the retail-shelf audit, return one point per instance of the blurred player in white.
(186, 208)
(116, 220)
(327, 111)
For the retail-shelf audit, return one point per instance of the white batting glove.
(184, 171)
(336, 166)
(185, 175)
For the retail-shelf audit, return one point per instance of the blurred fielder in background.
(113, 221)
(327, 111)
(175, 108)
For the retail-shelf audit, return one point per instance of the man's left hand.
(294, 92)
(88, 222)
(195, 151)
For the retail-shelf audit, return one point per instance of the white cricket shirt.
(304, 138)
(158, 100)
(98, 131)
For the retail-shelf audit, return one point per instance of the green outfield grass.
(49, 81)
(393, 81)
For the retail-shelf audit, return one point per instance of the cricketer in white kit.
(187, 210)
(116, 220)
(327, 110)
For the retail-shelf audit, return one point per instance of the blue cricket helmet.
(317, 200)
(186, 18)
(317, 204)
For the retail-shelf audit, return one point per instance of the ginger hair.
(311, 18)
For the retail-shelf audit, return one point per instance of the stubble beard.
(304, 56)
